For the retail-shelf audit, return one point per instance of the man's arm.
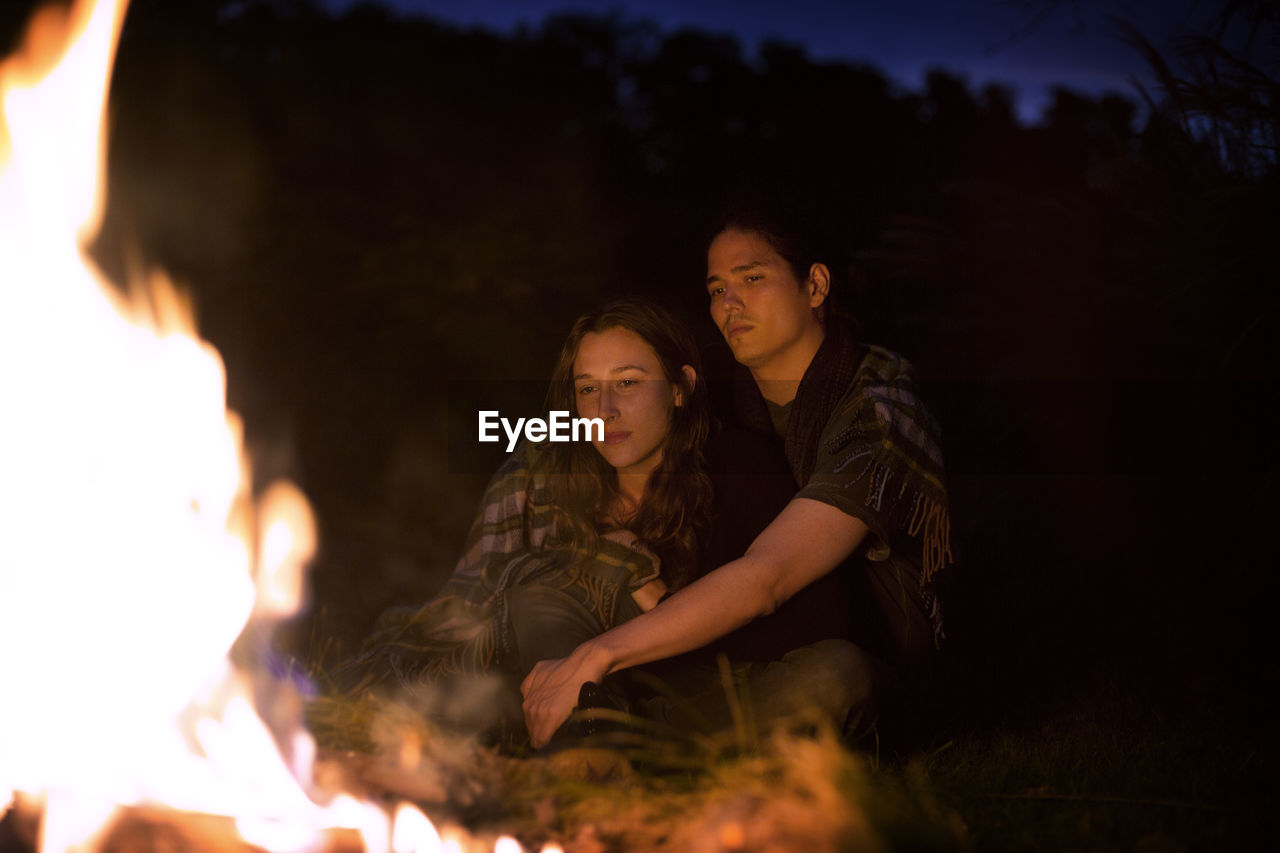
(807, 539)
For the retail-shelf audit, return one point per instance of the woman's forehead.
(612, 351)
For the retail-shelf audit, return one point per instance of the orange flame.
(132, 555)
(127, 565)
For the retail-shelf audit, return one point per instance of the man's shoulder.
(882, 366)
(878, 373)
(882, 395)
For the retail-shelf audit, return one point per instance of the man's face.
(763, 312)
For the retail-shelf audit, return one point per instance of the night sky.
(1032, 45)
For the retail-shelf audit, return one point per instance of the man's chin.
(744, 354)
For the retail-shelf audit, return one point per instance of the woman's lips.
(616, 437)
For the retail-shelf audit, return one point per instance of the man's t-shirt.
(752, 486)
(780, 415)
(876, 460)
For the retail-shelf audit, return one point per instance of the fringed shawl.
(464, 630)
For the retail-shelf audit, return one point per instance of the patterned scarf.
(869, 393)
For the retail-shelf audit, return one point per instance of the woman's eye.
(627, 383)
(585, 390)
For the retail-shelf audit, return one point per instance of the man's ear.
(819, 284)
(690, 382)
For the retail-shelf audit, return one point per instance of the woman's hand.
(551, 691)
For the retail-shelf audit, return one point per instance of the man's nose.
(732, 299)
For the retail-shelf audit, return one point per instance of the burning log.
(150, 829)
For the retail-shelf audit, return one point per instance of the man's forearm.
(803, 543)
(706, 610)
(807, 540)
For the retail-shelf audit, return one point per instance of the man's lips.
(735, 328)
(616, 437)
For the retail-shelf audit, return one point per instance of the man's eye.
(715, 291)
(753, 278)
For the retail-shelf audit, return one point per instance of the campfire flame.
(132, 554)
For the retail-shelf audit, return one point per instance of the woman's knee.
(547, 623)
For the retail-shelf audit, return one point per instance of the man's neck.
(778, 391)
(779, 379)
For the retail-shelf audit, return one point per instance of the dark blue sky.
(983, 40)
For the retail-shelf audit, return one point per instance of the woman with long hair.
(572, 538)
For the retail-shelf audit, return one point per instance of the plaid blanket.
(465, 630)
(881, 443)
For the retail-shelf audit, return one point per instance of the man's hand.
(551, 691)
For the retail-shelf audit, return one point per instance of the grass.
(1108, 770)
(1111, 770)
(790, 791)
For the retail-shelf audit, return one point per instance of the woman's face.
(617, 377)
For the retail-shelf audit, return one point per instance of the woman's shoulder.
(512, 487)
(512, 475)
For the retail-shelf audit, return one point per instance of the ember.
(132, 554)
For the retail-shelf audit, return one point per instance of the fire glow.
(132, 554)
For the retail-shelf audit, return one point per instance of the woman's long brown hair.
(583, 487)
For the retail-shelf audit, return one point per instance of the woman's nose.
(608, 404)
